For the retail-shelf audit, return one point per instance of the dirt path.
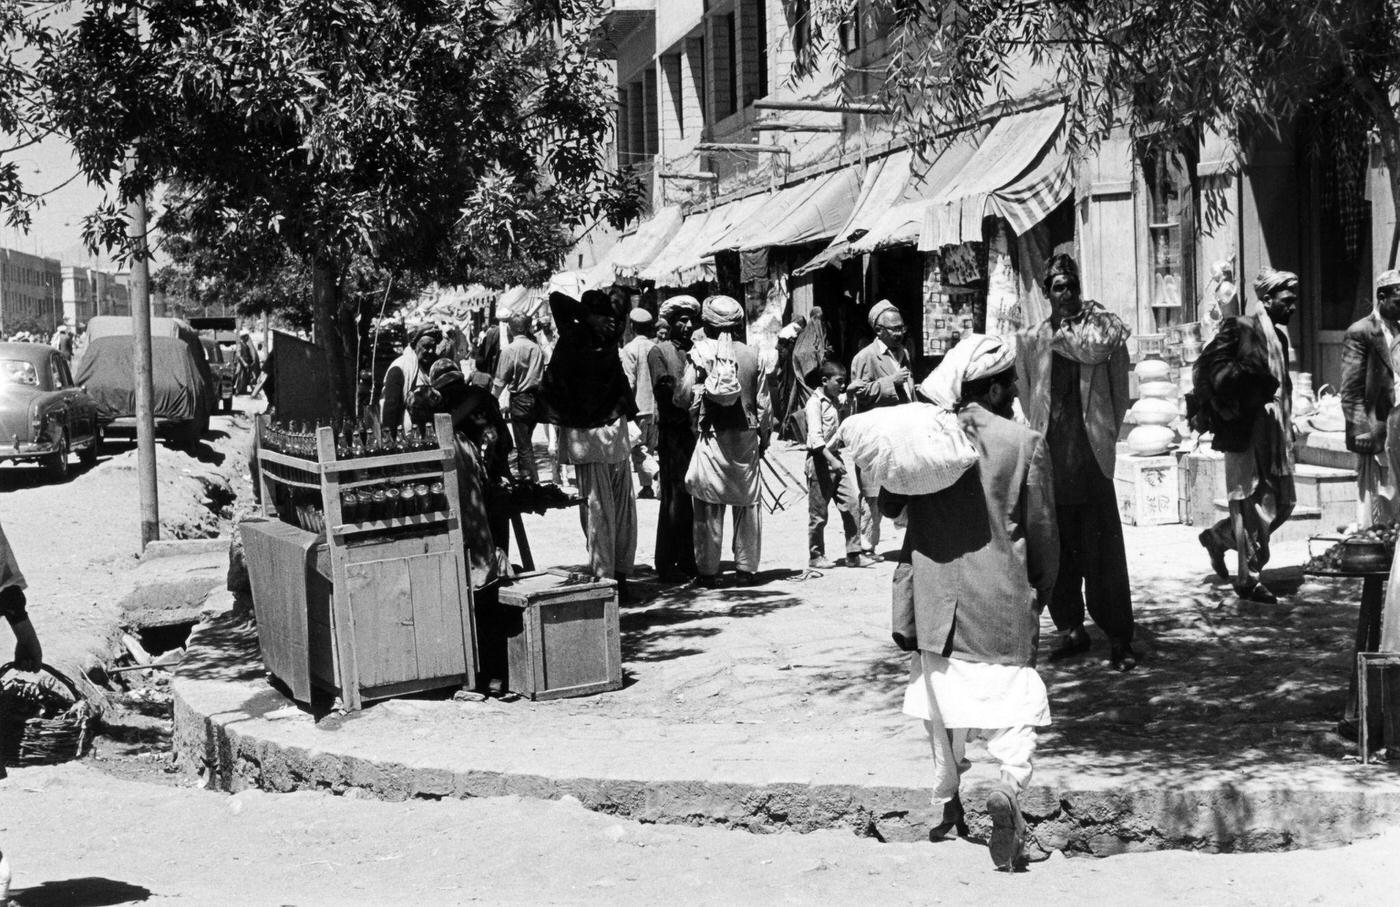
(75, 538)
(77, 836)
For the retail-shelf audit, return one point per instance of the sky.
(57, 229)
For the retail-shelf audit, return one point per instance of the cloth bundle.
(912, 449)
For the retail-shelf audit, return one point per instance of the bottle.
(437, 497)
(350, 507)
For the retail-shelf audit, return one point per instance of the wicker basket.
(27, 739)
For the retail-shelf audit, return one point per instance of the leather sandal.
(1075, 642)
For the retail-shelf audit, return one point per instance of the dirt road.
(77, 836)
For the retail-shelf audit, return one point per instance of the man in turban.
(978, 565)
(675, 440)
(1370, 357)
(406, 374)
(1243, 394)
(636, 367)
(586, 394)
(1075, 366)
(879, 377)
(721, 388)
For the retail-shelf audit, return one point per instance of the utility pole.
(141, 330)
(145, 393)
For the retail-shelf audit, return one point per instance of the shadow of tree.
(653, 633)
(88, 891)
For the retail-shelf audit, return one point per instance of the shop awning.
(899, 220)
(696, 262)
(884, 180)
(1016, 173)
(637, 251)
(677, 251)
(807, 212)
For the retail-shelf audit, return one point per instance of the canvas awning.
(677, 250)
(635, 252)
(807, 212)
(1016, 173)
(884, 180)
(899, 220)
(696, 262)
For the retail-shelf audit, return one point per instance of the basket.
(35, 740)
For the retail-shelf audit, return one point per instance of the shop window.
(1170, 290)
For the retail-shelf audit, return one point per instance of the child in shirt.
(827, 477)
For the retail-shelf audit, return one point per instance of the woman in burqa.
(809, 351)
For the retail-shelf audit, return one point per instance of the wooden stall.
(366, 600)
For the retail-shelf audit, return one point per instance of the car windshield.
(17, 371)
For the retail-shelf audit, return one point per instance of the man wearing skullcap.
(406, 374)
(721, 388)
(520, 370)
(879, 377)
(635, 366)
(978, 565)
(675, 441)
(1075, 368)
(586, 394)
(1243, 395)
(1370, 356)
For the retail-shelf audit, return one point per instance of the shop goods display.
(1151, 440)
(1367, 551)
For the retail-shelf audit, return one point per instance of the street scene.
(718, 452)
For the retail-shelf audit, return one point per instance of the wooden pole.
(145, 392)
(823, 106)
(740, 146)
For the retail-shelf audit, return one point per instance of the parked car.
(44, 415)
(223, 363)
(185, 389)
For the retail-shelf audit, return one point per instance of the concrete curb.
(232, 726)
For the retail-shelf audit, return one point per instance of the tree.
(24, 35)
(440, 137)
(1166, 70)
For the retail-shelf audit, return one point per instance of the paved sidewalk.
(778, 707)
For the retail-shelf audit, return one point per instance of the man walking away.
(827, 478)
(675, 442)
(978, 564)
(721, 388)
(635, 365)
(520, 370)
(1370, 356)
(1075, 366)
(879, 377)
(1244, 395)
(585, 393)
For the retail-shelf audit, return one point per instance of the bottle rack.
(399, 616)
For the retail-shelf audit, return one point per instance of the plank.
(380, 596)
(437, 618)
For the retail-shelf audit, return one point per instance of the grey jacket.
(981, 556)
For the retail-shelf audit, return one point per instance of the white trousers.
(1012, 748)
(708, 534)
(608, 513)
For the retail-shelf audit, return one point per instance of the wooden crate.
(384, 608)
(561, 640)
(1148, 490)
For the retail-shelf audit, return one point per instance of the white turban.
(1270, 282)
(975, 356)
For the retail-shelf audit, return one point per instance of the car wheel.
(88, 455)
(56, 463)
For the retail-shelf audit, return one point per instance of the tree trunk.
(1389, 129)
(325, 315)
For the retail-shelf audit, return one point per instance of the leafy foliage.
(1167, 70)
(24, 35)
(443, 137)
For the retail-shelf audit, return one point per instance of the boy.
(827, 477)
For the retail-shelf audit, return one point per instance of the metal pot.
(1364, 556)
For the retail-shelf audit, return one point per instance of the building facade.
(791, 190)
(30, 292)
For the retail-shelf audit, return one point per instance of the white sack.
(914, 448)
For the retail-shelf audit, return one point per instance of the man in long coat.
(1075, 370)
(732, 436)
(1370, 355)
(978, 565)
(675, 547)
(1246, 398)
(880, 376)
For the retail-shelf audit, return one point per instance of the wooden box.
(561, 639)
(1147, 490)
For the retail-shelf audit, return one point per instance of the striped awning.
(1016, 173)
